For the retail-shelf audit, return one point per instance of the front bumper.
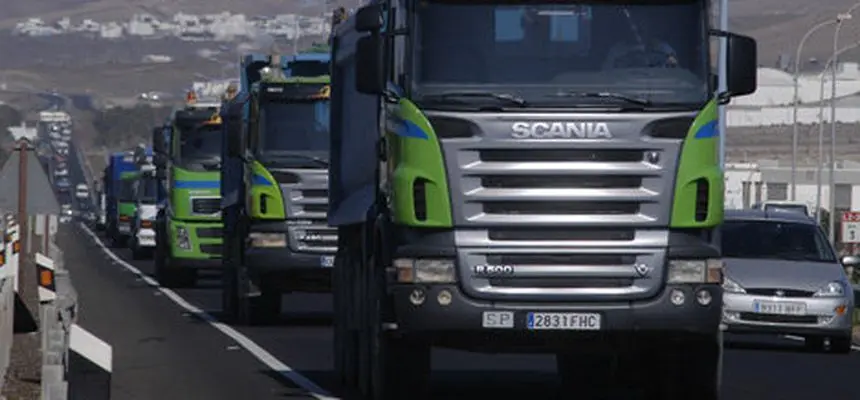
(194, 244)
(462, 313)
(285, 268)
(827, 316)
(124, 228)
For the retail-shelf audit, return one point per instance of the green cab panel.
(265, 190)
(204, 239)
(415, 160)
(186, 184)
(126, 209)
(699, 162)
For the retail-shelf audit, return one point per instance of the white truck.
(82, 191)
(142, 243)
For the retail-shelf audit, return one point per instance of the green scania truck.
(188, 227)
(533, 177)
(274, 182)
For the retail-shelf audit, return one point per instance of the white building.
(750, 183)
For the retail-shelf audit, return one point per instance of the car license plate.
(563, 321)
(779, 307)
(327, 261)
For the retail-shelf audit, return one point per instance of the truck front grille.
(568, 220)
(307, 212)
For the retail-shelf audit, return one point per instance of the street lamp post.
(795, 128)
(841, 18)
(820, 164)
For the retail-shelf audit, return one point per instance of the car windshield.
(775, 240)
(295, 126)
(200, 147)
(547, 52)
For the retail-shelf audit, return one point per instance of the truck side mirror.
(742, 65)
(158, 145)
(369, 78)
(369, 18)
(234, 137)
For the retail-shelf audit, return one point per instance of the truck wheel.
(587, 375)
(694, 366)
(170, 276)
(399, 367)
(345, 341)
(264, 309)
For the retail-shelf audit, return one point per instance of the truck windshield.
(546, 52)
(148, 190)
(200, 148)
(775, 240)
(295, 126)
(126, 191)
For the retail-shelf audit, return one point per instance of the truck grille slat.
(206, 205)
(561, 234)
(565, 155)
(560, 207)
(561, 182)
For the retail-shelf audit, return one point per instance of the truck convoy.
(188, 227)
(274, 184)
(539, 177)
(115, 190)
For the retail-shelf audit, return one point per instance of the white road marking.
(800, 339)
(256, 350)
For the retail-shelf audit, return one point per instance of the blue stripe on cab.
(410, 129)
(261, 180)
(197, 184)
(709, 130)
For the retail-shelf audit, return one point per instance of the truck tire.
(345, 338)
(694, 366)
(399, 367)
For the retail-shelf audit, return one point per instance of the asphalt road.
(169, 345)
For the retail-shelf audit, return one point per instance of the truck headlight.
(268, 240)
(183, 240)
(832, 289)
(424, 270)
(730, 286)
(695, 271)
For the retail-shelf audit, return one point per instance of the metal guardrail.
(68, 352)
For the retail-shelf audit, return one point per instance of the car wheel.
(840, 345)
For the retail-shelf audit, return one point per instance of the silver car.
(783, 277)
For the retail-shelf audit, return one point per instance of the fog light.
(417, 297)
(677, 297)
(444, 298)
(704, 297)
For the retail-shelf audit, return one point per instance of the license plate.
(563, 321)
(498, 319)
(327, 261)
(779, 307)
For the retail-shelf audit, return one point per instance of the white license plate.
(327, 261)
(563, 321)
(498, 319)
(779, 307)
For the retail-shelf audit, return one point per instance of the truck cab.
(188, 161)
(536, 177)
(275, 183)
(142, 242)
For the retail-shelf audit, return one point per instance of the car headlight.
(832, 289)
(695, 271)
(730, 286)
(424, 270)
(269, 240)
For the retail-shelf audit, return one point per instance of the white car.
(66, 213)
(82, 191)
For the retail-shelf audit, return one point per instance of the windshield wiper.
(460, 96)
(317, 160)
(607, 95)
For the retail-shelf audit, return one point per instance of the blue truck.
(117, 190)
